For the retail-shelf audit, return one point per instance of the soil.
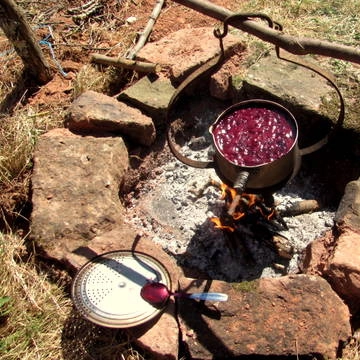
(109, 31)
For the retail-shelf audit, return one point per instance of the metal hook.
(242, 16)
(245, 16)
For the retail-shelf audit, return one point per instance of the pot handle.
(295, 60)
(215, 64)
(330, 78)
(205, 69)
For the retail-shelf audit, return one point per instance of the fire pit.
(252, 148)
(183, 209)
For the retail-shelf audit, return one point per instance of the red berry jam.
(253, 136)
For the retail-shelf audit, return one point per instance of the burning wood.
(249, 216)
(244, 210)
(240, 205)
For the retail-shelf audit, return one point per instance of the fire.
(238, 206)
(219, 225)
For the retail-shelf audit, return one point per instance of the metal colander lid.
(106, 290)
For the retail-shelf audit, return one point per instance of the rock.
(221, 81)
(180, 53)
(338, 258)
(316, 255)
(95, 112)
(289, 81)
(220, 85)
(151, 96)
(291, 315)
(75, 185)
(160, 336)
(297, 88)
(343, 269)
(185, 50)
(123, 237)
(348, 212)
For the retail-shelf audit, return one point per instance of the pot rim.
(244, 104)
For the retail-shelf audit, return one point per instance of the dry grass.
(29, 329)
(18, 136)
(352, 351)
(36, 317)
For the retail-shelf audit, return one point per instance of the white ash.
(179, 221)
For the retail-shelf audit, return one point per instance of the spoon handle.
(208, 296)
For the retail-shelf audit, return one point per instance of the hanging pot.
(271, 173)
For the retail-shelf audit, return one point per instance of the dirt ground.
(111, 30)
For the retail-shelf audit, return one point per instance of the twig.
(148, 28)
(234, 204)
(283, 247)
(297, 349)
(82, 8)
(301, 207)
(124, 63)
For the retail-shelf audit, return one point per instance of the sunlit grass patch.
(35, 309)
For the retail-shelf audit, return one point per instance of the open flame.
(239, 206)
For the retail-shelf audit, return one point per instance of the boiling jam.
(254, 136)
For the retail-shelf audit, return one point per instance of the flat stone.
(286, 80)
(151, 96)
(291, 315)
(304, 93)
(97, 112)
(159, 336)
(183, 51)
(75, 187)
(180, 53)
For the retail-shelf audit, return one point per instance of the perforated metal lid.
(106, 290)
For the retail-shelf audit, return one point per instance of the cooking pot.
(266, 173)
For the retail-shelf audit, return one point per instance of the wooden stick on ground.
(148, 28)
(301, 207)
(124, 63)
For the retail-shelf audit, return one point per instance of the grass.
(28, 302)
(36, 315)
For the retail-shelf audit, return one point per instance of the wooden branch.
(148, 28)
(301, 207)
(124, 63)
(298, 46)
(19, 32)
